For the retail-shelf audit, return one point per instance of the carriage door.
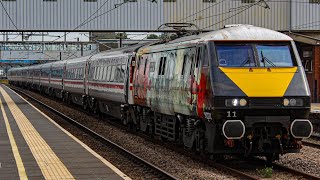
(132, 65)
(195, 73)
(85, 74)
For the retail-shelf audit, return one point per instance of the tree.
(153, 36)
(123, 36)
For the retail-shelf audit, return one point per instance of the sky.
(73, 36)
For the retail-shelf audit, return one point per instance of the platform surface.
(33, 146)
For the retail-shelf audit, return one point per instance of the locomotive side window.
(184, 64)
(145, 66)
(162, 65)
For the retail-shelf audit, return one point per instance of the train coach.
(238, 90)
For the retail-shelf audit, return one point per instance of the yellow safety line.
(16, 154)
(107, 163)
(50, 165)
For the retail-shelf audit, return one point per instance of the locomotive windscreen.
(255, 55)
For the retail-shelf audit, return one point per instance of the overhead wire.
(307, 24)
(4, 8)
(201, 10)
(90, 18)
(7, 13)
(180, 19)
(250, 6)
(83, 22)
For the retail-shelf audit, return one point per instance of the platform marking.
(15, 150)
(50, 165)
(107, 163)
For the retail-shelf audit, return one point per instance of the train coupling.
(301, 128)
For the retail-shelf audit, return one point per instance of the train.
(239, 90)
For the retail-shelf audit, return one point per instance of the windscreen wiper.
(264, 59)
(246, 61)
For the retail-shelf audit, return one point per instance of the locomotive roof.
(124, 50)
(236, 33)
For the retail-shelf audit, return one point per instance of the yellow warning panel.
(49, 163)
(14, 147)
(261, 82)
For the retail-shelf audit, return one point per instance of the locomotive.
(237, 90)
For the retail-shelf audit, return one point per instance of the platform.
(33, 146)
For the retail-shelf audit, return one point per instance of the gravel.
(308, 160)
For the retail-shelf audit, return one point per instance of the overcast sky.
(54, 36)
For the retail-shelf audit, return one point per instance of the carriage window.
(101, 73)
(123, 68)
(95, 72)
(108, 73)
(119, 74)
(104, 73)
(113, 70)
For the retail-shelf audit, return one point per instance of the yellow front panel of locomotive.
(261, 82)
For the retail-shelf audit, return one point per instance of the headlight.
(243, 102)
(293, 102)
(235, 102)
(286, 102)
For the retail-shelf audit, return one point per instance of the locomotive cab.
(260, 96)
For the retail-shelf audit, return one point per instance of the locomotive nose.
(301, 128)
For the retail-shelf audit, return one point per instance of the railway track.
(312, 144)
(162, 173)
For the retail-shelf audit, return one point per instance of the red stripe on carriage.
(73, 82)
(111, 86)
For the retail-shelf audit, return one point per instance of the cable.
(96, 11)
(201, 10)
(99, 42)
(235, 9)
(235, 14)
(305, 24)
(4, 8)
(89, 20)
(230, 11)
(180, 19)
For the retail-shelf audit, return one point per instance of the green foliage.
(266, 172)
(122, 35)
(153, 36)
